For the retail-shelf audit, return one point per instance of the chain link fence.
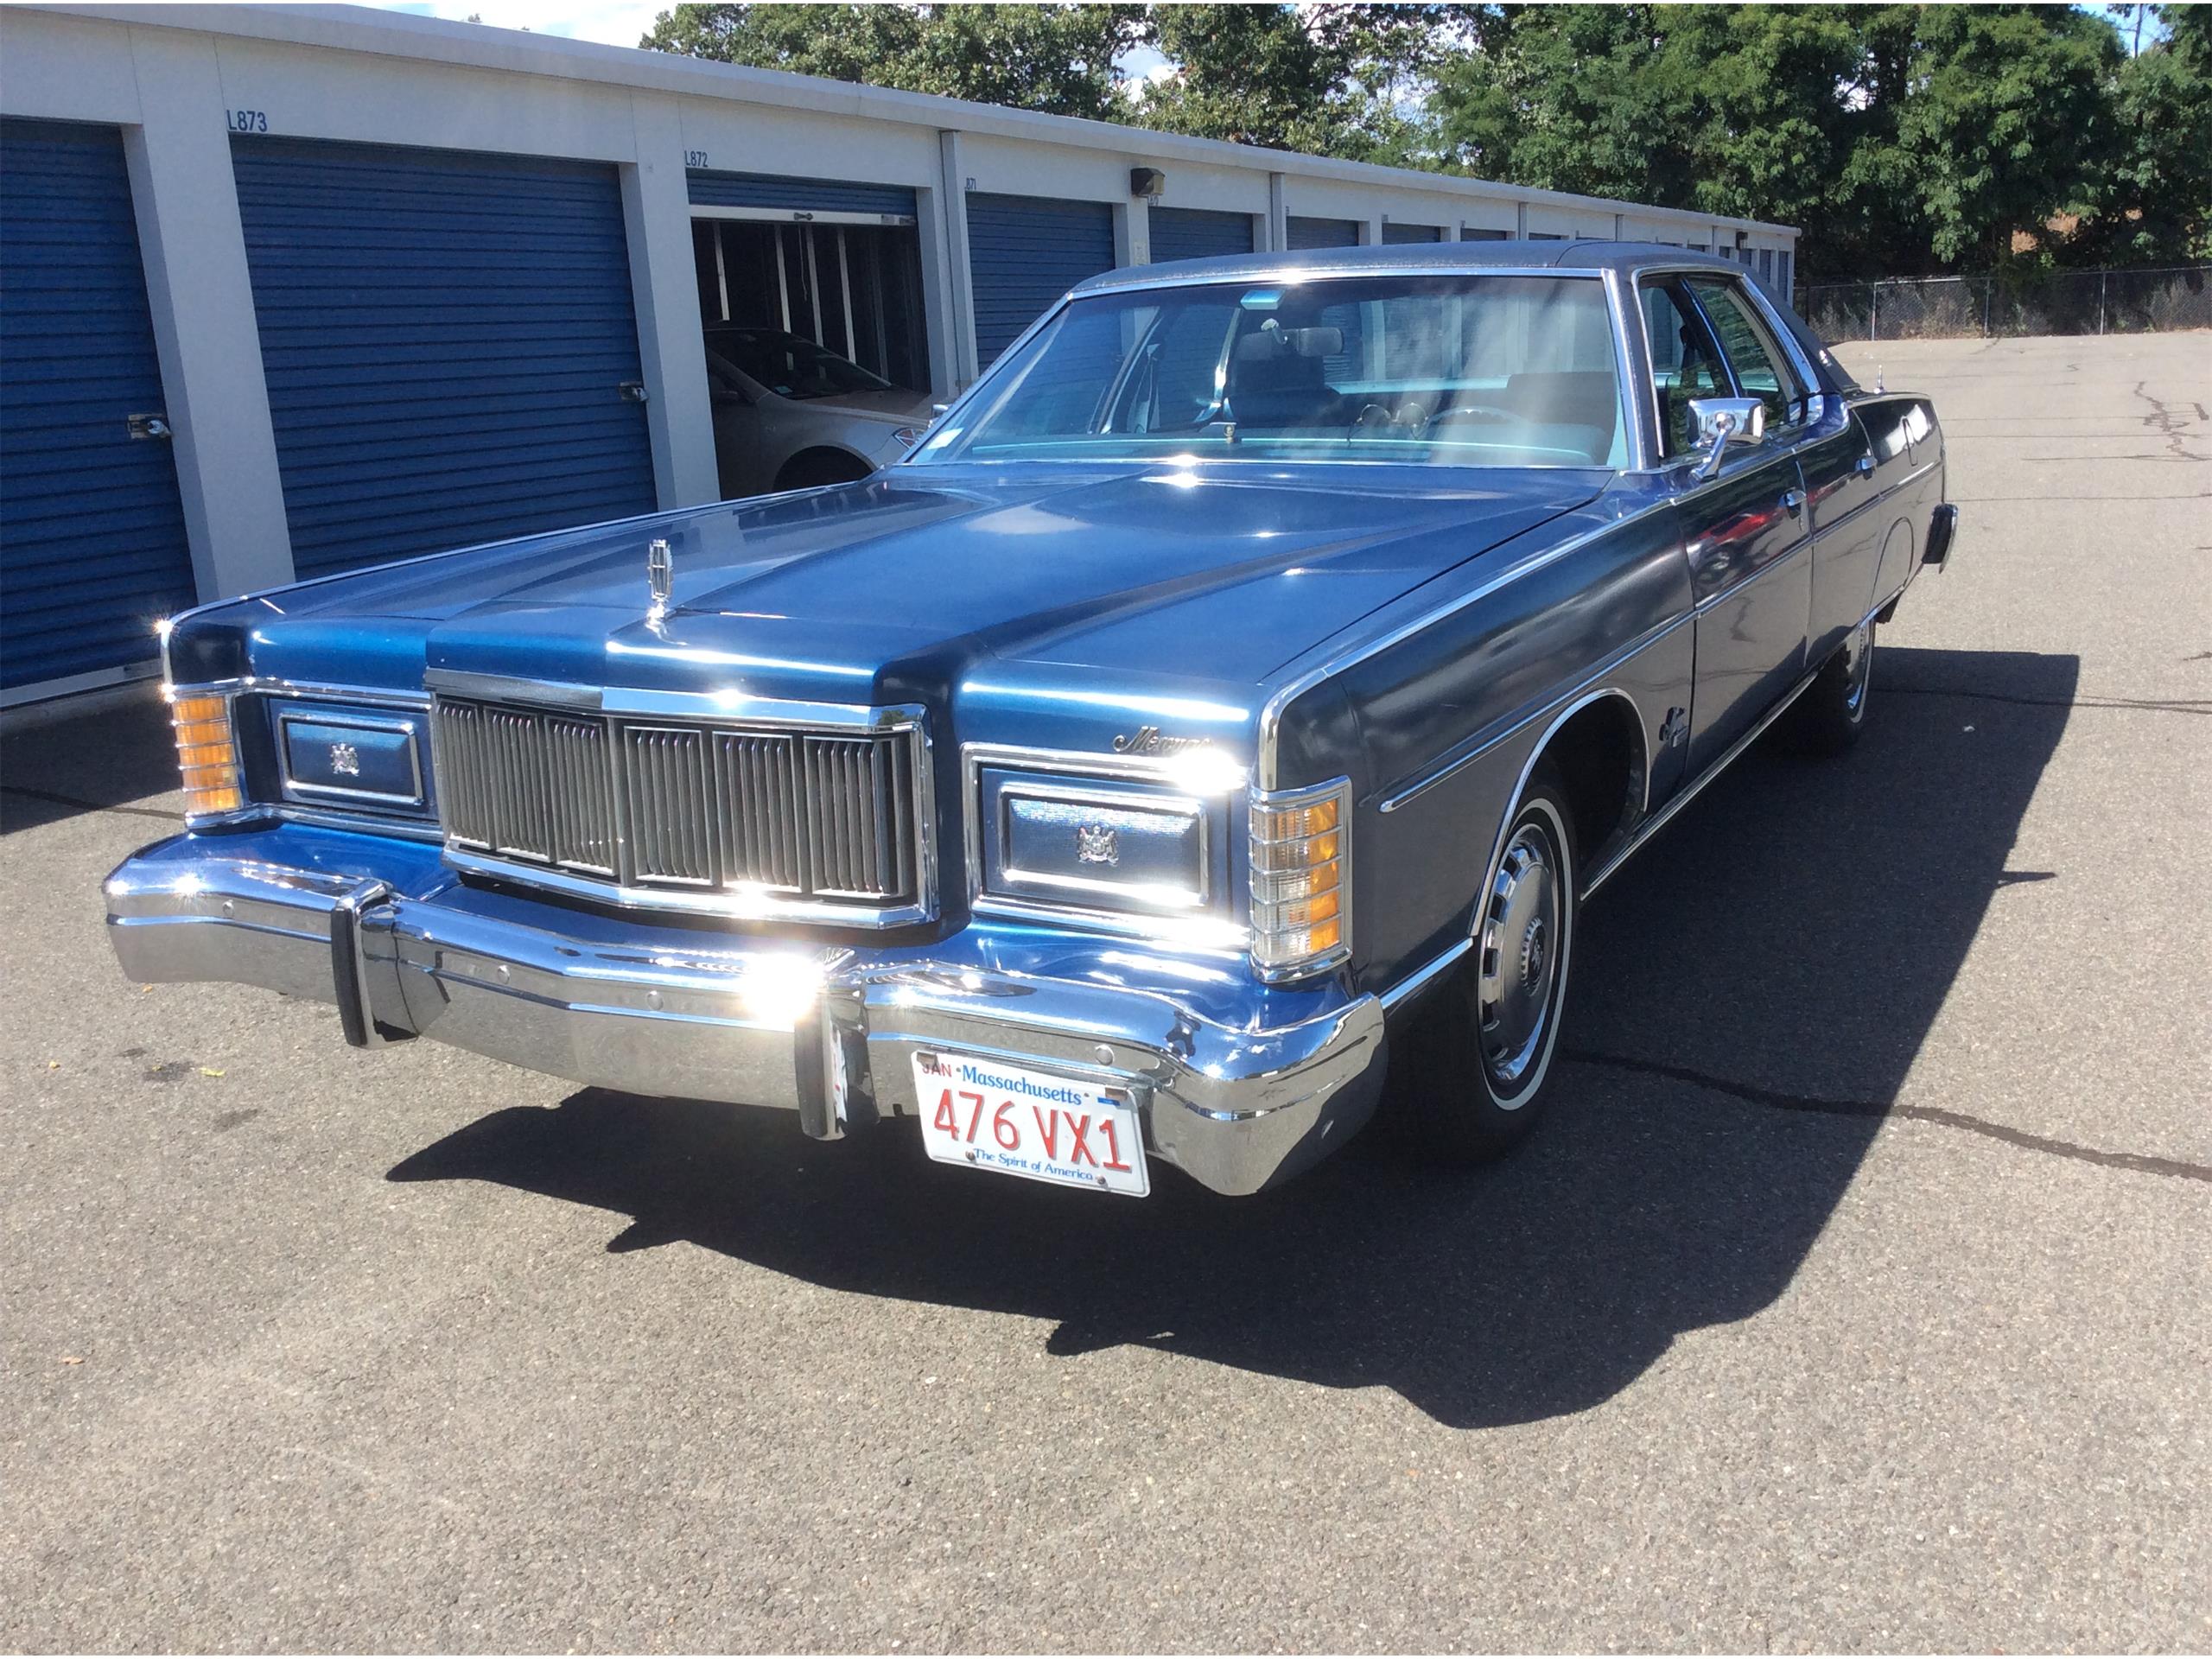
(2044, 302)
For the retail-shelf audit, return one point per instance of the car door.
(1744, 530)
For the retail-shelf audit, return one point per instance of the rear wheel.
(1470, 1074)
(1832, 712)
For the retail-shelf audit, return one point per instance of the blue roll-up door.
(447, 338)
(1023, 253)
(1197, 233)
(1321, 232)
(799, 195)
(92, 549)
(1411, 234)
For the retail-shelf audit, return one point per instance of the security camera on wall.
(1146, 181)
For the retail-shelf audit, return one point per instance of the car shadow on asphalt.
(1749, 993)
(109, 760)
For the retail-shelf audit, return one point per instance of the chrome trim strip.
(746, 907)
(1451, 764)
(1683, 797)
(500, 688)
(313, 690)
(1422, 977)
(1804, 546)
(1352, 655)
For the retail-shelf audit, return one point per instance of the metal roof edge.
(395, 33)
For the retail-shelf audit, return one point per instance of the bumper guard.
(827, 1032)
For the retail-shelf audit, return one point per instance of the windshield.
(789, 365)
(1472, 371)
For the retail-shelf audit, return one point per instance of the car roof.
(1581, 257)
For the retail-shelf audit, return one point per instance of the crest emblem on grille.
(1098, 844)
(660, 574)
(345, 760)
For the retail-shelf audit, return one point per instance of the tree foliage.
(1904, 138)
(1057, 59)
(1324, 79)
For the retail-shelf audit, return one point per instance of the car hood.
(898, 588)
(896, 407)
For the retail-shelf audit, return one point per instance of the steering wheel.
(1480, 411)
(1372, 418)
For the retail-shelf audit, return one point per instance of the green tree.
(1058, 59)
(1329, 79)
(2157, 203)
(2009, 110)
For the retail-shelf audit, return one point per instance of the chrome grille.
(684, 812)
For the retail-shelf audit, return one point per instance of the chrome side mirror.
(1721, 421)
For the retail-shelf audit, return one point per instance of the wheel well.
(1597, 756)
(820, 465)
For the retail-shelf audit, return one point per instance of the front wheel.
(1832, 712)
(1470, 1074)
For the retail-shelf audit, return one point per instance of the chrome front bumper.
(826, 1032)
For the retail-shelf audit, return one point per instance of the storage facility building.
(289, 289)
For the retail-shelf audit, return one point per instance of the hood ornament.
(660, 574)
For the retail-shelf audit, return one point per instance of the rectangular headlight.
(1300, 876)
(207, 754)
(350, 757)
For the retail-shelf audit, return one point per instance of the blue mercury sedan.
(1209, 733)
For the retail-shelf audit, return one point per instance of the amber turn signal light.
(207, 754)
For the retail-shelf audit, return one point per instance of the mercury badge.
(660, 574)
(1148, 741)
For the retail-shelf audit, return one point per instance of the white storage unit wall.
(410, 283)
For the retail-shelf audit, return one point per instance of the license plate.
(1047, 1127)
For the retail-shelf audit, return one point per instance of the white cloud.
(611, 22)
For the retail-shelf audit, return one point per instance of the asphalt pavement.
(1855, 1295)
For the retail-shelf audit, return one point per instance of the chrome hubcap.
(1858, 663)
(1519, 960)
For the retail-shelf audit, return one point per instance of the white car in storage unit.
(789, 414)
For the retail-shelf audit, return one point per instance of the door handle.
(1864, 466)
(1793, 501)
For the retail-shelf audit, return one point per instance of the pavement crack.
(2146, 705)
(82, 806)
(2140, 1163)
(2169, 425)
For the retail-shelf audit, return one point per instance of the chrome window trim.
(293, 788)
(1817, 389)
(950, 421)
(1212, 930)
